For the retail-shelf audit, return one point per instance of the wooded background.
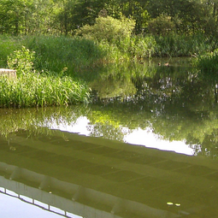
(65, 16)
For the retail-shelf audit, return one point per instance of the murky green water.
(145, 147)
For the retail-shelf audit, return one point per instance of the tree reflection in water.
(178, 103)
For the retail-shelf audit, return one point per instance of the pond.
(146, 146)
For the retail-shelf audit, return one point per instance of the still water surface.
(145, 147)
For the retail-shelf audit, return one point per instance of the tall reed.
(208, 62)
(56, 53)
(175, 45)
(35, 90)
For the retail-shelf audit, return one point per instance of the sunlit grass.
(60, 62)
(56, 53)
(8, 44)
(33, 90)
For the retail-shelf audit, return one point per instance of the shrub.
(143, 46)
(21, 60)
(108, 29)
(181, 45)
(7, 46)
(208, 62)
(56, 53)
(161, 25)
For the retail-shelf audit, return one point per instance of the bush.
(161, 25)
(7, 46)
(175, 45)
(208, 62)
(21, 60)
(108, 29)
(143, 46)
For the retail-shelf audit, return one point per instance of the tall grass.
(32, 88)
(57, 60)
(8, 44)
(175, 45)
(56, 53)
(208, 63)
(35, 90)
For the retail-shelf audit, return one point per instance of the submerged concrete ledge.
(8, 72)
(105, 205)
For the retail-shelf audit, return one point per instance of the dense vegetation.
(178, 27)
(64, 16)
(70, 38)
(35, 88)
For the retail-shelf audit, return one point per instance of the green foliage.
(112, 35)
(143, 46)
(162, 25)
(176, 45)
(35, 90)
(208, 63)
(26, 16)
(32, 89)
(64, 17)
(7, 46)
(108, 29)
(22, 61)
(58, 53)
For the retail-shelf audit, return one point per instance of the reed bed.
(208, 63)
(175, 45)
(32, 90)
(58, 53)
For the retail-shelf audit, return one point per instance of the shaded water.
(82, 161)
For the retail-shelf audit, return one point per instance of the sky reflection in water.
(136, 137)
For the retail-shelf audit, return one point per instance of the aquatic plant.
(143, 46)
(208, 62)
(35, 90)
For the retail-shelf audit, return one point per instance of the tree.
(162, 25)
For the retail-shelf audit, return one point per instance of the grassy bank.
(208, 63)
(76, 54)
(54, 53)
(60, 68)
(41, 90)
(35, 88)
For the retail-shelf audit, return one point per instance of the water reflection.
(24, 208)
(178, 122)
(95, 177)
(169, 108)
(136, 137)
(151, 140)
